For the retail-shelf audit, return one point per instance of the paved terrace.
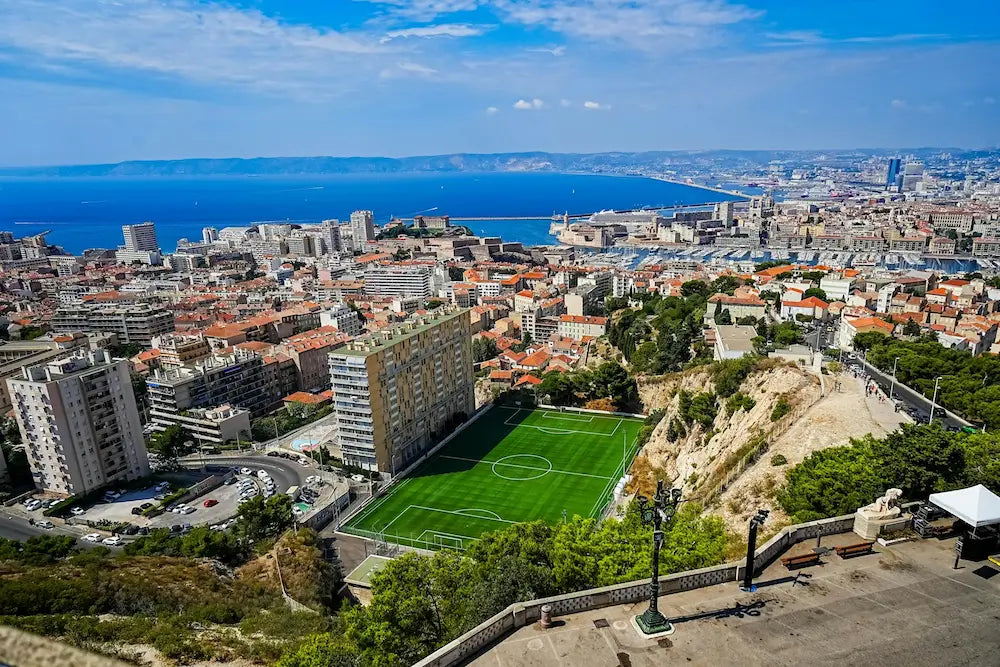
(904, 605)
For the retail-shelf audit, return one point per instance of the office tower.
(362, 228)
(892, 174)
(397, 392)
(209, 234)
(401, 281)
(140, 238)
(913, 173)
(80, 423)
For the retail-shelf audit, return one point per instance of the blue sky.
(99, 80)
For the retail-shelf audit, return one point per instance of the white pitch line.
(548, 415)
(435, 509)
(516, 465)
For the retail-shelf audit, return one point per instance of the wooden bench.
(854, 549)
(792, 562)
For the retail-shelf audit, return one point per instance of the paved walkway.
(901, 606)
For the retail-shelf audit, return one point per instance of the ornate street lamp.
(756, 522)
(656, 511)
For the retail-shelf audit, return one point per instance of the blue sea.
(89, 212)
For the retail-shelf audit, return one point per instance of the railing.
(524, 613)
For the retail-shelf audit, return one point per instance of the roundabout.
(513, 470)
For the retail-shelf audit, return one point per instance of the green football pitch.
(510, 465)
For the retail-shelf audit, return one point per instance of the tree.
(816, 292)
(418, 603)
(326, 650)
(695, 287)
(456, 273)
(869, 339)
(724, 317)
(726, 284)
(615, 303)
(170, 443)
(558, 387)
(611, 380)
(911, 328)
(483, 349)
(260, 518)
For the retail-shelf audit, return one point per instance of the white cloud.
(595, 106)
(439, 30)
(407, 69)
(989, 100)
(492, 110)
(556, 51)
(564, 103)
(632, 23)
(186, 40)
(898, 104)
(529, 105)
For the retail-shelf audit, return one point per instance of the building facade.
(362, 229)
(139, 323)
(79, 420)
(399, 391)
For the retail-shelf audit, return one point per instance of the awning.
(976, 505)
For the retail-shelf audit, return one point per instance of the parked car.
(76, 511)
(229, 480)
(163, 486)
(145, 506)
(33, 504)
(53, 503)
(132, 530)
(262, 474)
(246, 471)
(211, 502)
(92, 537)
(47, 525)
(175, 528)
(113, 541)
(188, 510)
(273, 453)
(136, 511)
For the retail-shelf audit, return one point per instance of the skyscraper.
(362, 228)
(140, 238)
(209, 234)
(80, 423)
(892, 175)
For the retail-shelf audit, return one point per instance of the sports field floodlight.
(656, 511)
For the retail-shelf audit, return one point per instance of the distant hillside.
(622, 162)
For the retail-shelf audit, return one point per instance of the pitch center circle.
(513, 471)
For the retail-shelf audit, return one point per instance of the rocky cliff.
(704, 453)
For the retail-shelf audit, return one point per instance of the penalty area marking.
(548, 414)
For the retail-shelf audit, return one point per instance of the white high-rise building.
(209, 234)
(362, 228)
(140, 238)
(80, 423)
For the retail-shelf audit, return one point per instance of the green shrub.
(781, 408)
(778, 460)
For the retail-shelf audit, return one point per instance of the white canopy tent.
(976, 505)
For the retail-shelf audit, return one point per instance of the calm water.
(88, 213)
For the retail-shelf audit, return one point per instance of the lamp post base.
(653, 623)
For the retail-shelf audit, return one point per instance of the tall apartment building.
(138, 323)
(401, 281)
(238, 379)
(399, 391)
(141, 237)
(362, 228)
(79, 420)
(140, 245)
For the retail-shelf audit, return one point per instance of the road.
(913, 398)
(284, 472)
